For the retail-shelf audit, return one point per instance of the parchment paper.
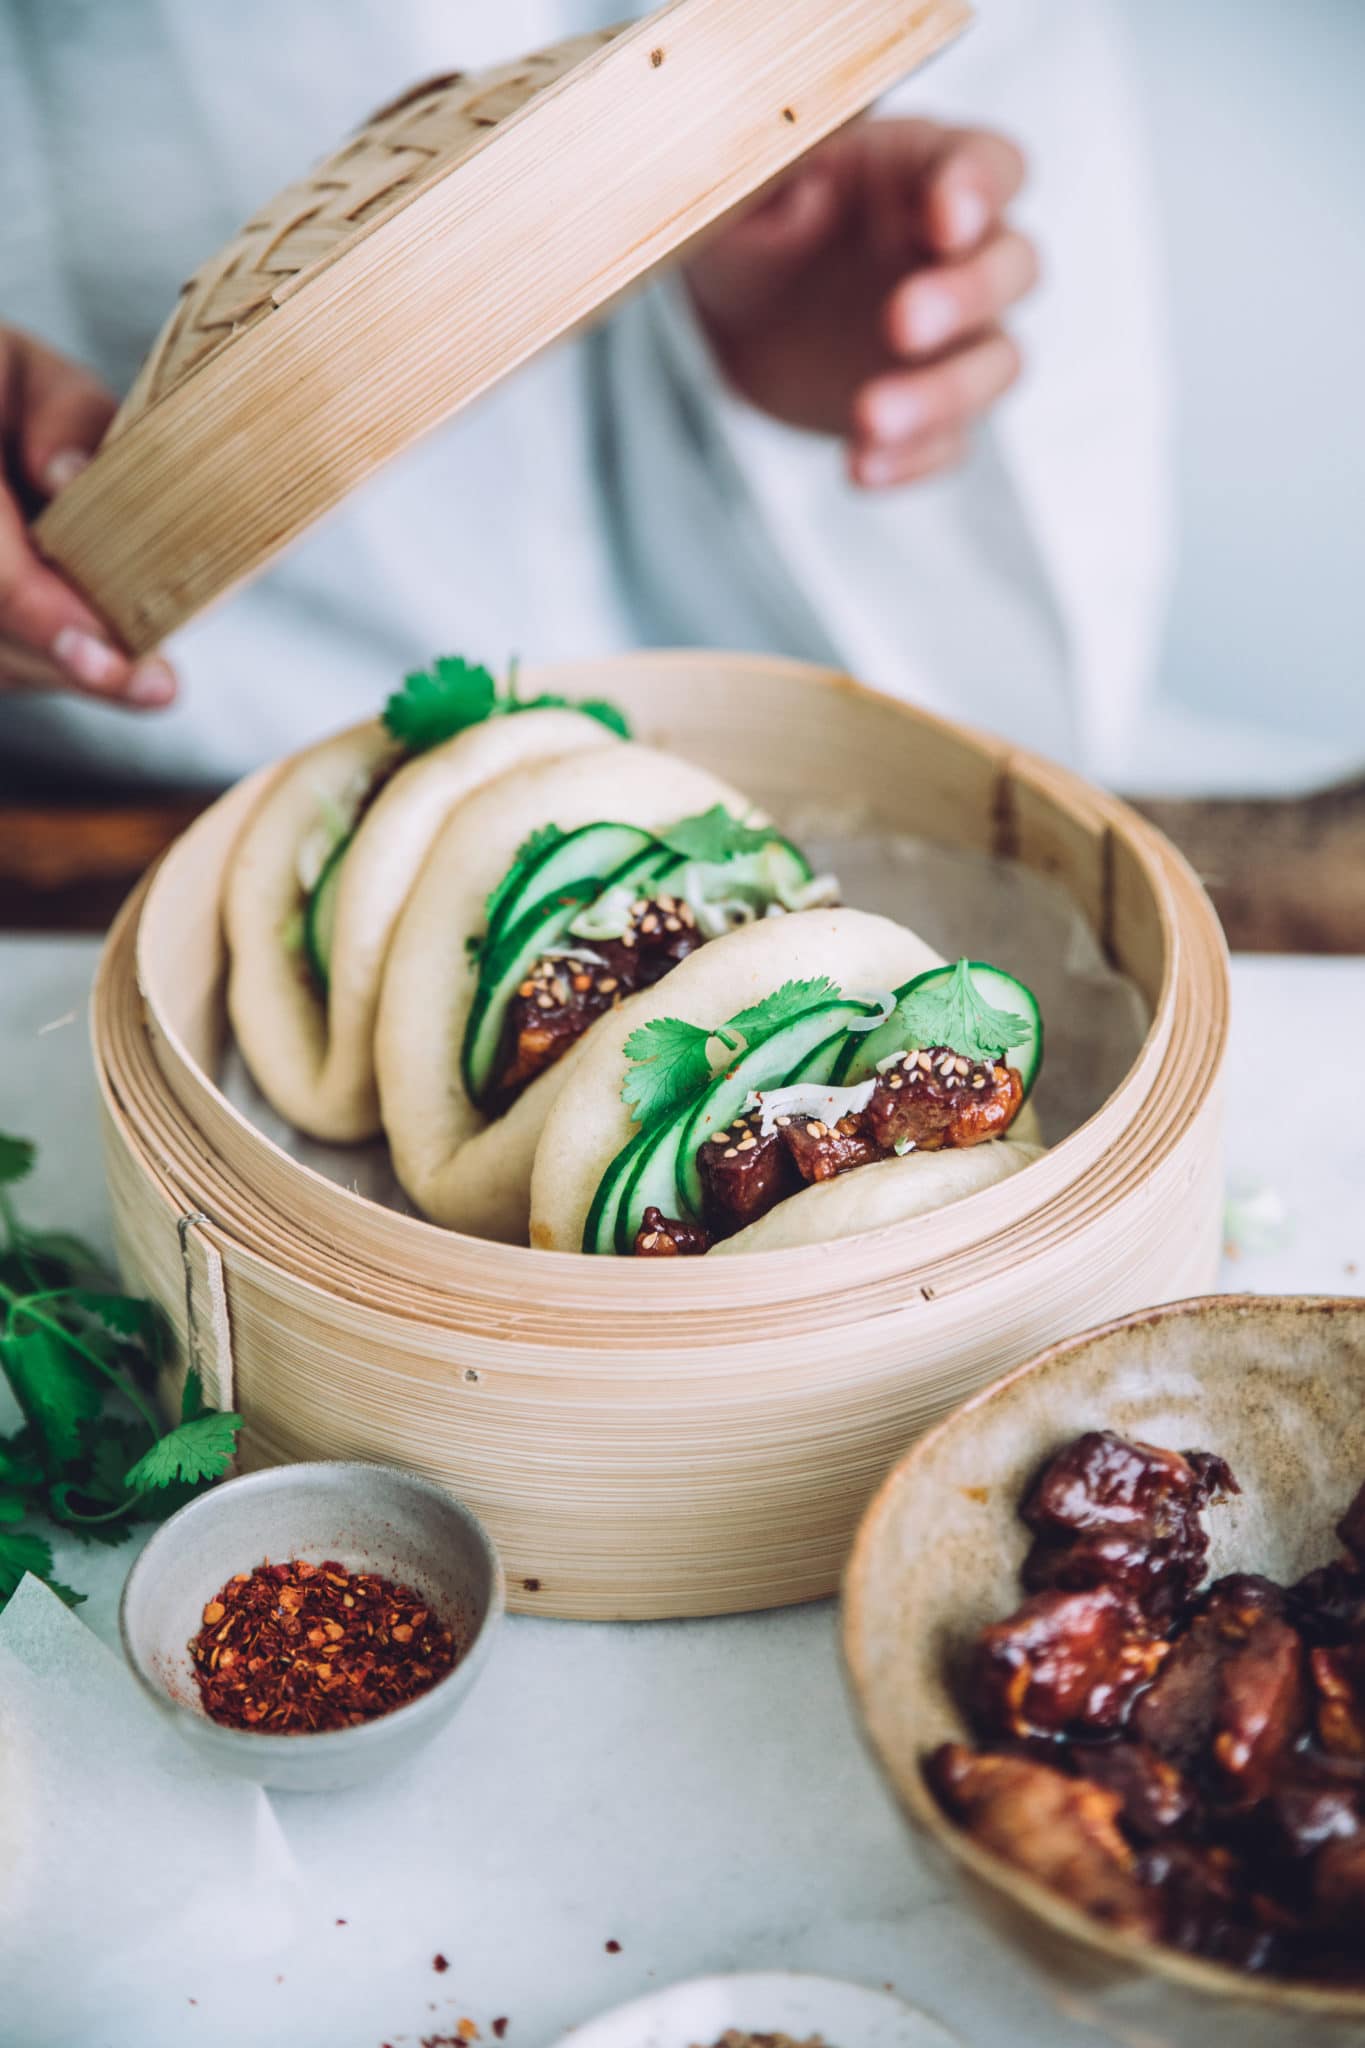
(1094, 1018)
(117, 1849)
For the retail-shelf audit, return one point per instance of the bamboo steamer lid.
(465, 227)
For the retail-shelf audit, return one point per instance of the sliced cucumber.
(866, 1049)
(819, 1064)
(768, 1064)
(597, 850)
(320, 913)
(502, 971)
(599, 1231)
(650, 1182)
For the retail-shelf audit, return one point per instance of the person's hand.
(52, 418)
(863, 294)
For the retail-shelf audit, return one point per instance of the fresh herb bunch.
(954, 1013)
(436, 703)
(92, 1455)
(672, 1058)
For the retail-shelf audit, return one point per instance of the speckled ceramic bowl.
(1275, 1386)
(368, 1517)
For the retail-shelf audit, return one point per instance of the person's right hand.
(53, 416)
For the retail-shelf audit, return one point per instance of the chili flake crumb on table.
(302, 1648)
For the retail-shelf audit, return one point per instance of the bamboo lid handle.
(273, 393)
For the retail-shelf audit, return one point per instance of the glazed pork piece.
(1185, 1766)
(1108, 1512)
(1061, 1830)
(1065, 1663)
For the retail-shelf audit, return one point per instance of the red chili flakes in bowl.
(298, 1648)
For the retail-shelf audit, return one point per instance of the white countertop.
(694, 1791)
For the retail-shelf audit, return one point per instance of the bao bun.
(312, 1058)
(458, 1167)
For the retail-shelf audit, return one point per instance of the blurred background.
(1258, 147)
(1224, 231)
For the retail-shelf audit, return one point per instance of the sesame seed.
(627, 938)
(672, 924)
(719, 1137)
(649, 1241)
(962, 1066)
(608, 985)
(640, 904)
(898, 1080)
(650, 923)
(731, 1151)
(980, 1081)
(816, 1128)
(544, 1002)
(747, 1142)
(784, 1121)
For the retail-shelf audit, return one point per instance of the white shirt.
(615, 491)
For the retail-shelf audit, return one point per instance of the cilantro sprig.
(92, 1454)
(951, 1011)
(715, 836)
(671, 1060)
(453, 694)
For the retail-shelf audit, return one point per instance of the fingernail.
(150, 683)
(63, 469)
(930, 317)
(967, 216)
(91, 661)
(897, 415)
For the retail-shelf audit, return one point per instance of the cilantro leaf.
(201, 1449)
(13, 1506)
(792, 1000)
(714, 836)
(592, 707)
(951, 1011)
(19, 1463)
(671, 1064)
(672, 1060)
(436, 703)
(125, 1316)
(54, 1387)
(16, 1157)
(21, 1552)
(453, 694)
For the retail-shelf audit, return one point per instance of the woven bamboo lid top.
(465, 227)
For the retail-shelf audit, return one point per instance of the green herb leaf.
(16, 1157)
(54, 1386)
(671, 1064)
(202, 1449)
(714, 836)
(13, 1506)
(128, 1318)
(436, 703)
(592, 707)
(453, 694)
(21, 1552)
(953, 1013)
(785, 1004)
(19, 1463)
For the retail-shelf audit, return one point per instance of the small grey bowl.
(367, 1517)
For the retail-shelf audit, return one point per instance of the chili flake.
(298, 1648)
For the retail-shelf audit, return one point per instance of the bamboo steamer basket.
(655, 1440)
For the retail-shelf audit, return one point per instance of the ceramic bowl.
(694, 2014)
(368, 1517)
(1275, 1386)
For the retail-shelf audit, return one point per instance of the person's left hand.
(863, 294)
